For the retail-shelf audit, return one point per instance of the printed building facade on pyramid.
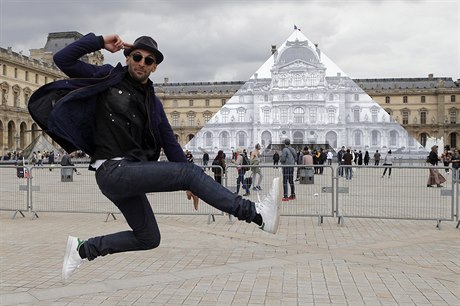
(300, 94)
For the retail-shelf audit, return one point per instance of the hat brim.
(158, 55)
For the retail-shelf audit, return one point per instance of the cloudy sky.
(228, 40)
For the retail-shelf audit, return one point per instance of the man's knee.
(149, 240)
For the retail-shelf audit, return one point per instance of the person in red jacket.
(113, 114)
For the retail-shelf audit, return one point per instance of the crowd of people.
(315, 159)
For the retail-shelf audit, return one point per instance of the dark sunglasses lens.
(137, 57)
(149, 61)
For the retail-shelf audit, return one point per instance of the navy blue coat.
(66, 109)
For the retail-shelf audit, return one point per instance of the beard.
(138, 75)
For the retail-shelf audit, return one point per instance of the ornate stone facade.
(20, 76)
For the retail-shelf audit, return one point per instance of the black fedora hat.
(146, 43)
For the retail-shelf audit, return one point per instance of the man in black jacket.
(113, 114)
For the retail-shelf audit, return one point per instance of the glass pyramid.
(300, 94)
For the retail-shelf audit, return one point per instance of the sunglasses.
(147, 60)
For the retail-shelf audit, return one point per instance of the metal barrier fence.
(310, 200)
(323, 194)
(14, 190)
(403, 195)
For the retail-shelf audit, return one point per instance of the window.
(27, 75)
(16, 98)
(356, 115)
(358, 136)
(190, 102)
(224, 137)
(175, 120)
(423, 117)
(46, 80)
(225, 115)
(36, 78)
(4, 69)
(452, 98)
(374, 112)
(405, 99)
(393, 138)
(208, 139)
(405, 117)
(331, 115)
(207, 117)
(423, 138)
(298, 115)
(284, 115)
(206, 102)
(175, 103)
(387, 100)
(191, 119)
(241, 139)
(331, 97)
(422, 99)
(266, 116)
(453, 116)
(241, 113)
(313, 114)
(375, 138)
(15, 73)
(356, 97)
(223, 101)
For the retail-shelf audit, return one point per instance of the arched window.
(423, 138)
(241, 139)
(208, 139)
(299, 115)
(223, 139)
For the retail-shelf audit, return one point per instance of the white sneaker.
(72, 259)
(268, 208)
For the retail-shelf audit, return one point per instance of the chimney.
(273, 49)
(166, 81)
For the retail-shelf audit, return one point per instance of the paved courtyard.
(363, 262)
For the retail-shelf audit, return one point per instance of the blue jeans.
(288, 177)
(126, 183)
(348, 172)
(239, 180)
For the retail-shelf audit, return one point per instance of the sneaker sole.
(66, 257)
(279, 191)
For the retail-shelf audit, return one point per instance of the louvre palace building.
(297, 94)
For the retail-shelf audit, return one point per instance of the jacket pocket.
(118, 100)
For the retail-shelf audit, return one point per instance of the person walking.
(455, 160)
(330, 155)
(205, 159)
(388, 161)
(348, 163)
(219, 160)
(255, 169)
(276, 159)
(376, 158)
(241, 169)
(113, 115)
(434, 177)
(366, 158)
(288, 157)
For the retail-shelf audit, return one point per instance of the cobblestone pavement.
(361, 262)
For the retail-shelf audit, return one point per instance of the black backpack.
(245, 163)
(215, 162)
